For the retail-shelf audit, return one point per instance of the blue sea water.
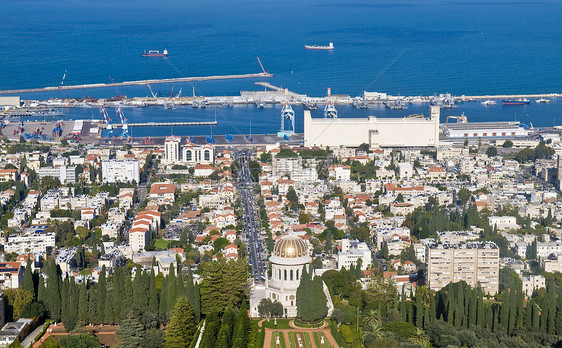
(402, 48)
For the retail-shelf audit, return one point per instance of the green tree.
(16, 300)
(311, 300)
(222, 284)
(27, 283)
(181, 328)
(507, 144)
(491, 151)
(131, 331)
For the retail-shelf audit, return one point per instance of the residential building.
(472, 262)
(120, 171)
(66, 175)
(351, 252)
(172, 150)
(531, 283)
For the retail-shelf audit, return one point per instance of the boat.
(520, 101)
(397, 104)
(542, 100)
(154, 53)
(317, 47)
(311, 106)
(489, 102)
(260, 104)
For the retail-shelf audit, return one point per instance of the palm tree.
(372, 325)
(419, 337)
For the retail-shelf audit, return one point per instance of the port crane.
(460, 119)
(116, 90)
(150, 89)
(119, 112)
(106, 118)
(287, 114)
(330, 110)
(262, 69)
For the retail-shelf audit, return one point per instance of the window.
(466, 135)
(207, 155)
(285, 272)
(188, 156)
(297, 274)
(291, 274)
(475, 134)
(279, 278)
(512, 133)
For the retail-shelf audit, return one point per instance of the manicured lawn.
(316, 339)
(307, 325)
(292, 343)
(281, 340)
(307, 341)
(161, 244)
(281, 324)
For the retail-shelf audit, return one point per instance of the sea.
(410, 48)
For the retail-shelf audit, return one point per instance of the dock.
(139, 82)
(167, 124)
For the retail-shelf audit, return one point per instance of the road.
(254, 239)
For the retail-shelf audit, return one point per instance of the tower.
(172, 149)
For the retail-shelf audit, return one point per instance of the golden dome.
(290, 246)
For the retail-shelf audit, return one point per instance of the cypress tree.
(432, 309)
(128, 290)
(118, 291)
(403, 305)
(224, 338)
(101, 293)
(529, 315)
(164, 296)
(196, 302)
(180, 286)
(512, 313)
(520, 310)
(419, 309)
(172, 295)
(239, 338)
(153, 294)
(459, 313)
(83, 305)
(27, 282)
(472, 310)
(212, 326)
(303, 292)
(53, 292)
(536, 315)
(109, 315)
(504, 311)
(559, 315)
(181, 329)
(41, 290)
(92, 305)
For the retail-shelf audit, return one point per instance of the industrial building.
(484, 130)
(417, 131)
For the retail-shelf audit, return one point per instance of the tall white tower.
(172, 149)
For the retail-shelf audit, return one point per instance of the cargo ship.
(516, 101)
(316, 47)
(155, 53)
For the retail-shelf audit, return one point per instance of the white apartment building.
(286, 165)
(457, 236)
(351, 252)
(472, 262)
(120, 171)
(532, 282)
(547, 248)
(30, 242)
(503, 222)
(63, 173)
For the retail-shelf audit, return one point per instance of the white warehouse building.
(377, 132)
(484, 130)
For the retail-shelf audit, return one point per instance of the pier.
(167, 124)
(140, 82)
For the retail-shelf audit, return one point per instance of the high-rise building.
(476, 263)
(172, 149)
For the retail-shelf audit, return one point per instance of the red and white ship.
(155, 53)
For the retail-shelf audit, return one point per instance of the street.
(251, 219)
